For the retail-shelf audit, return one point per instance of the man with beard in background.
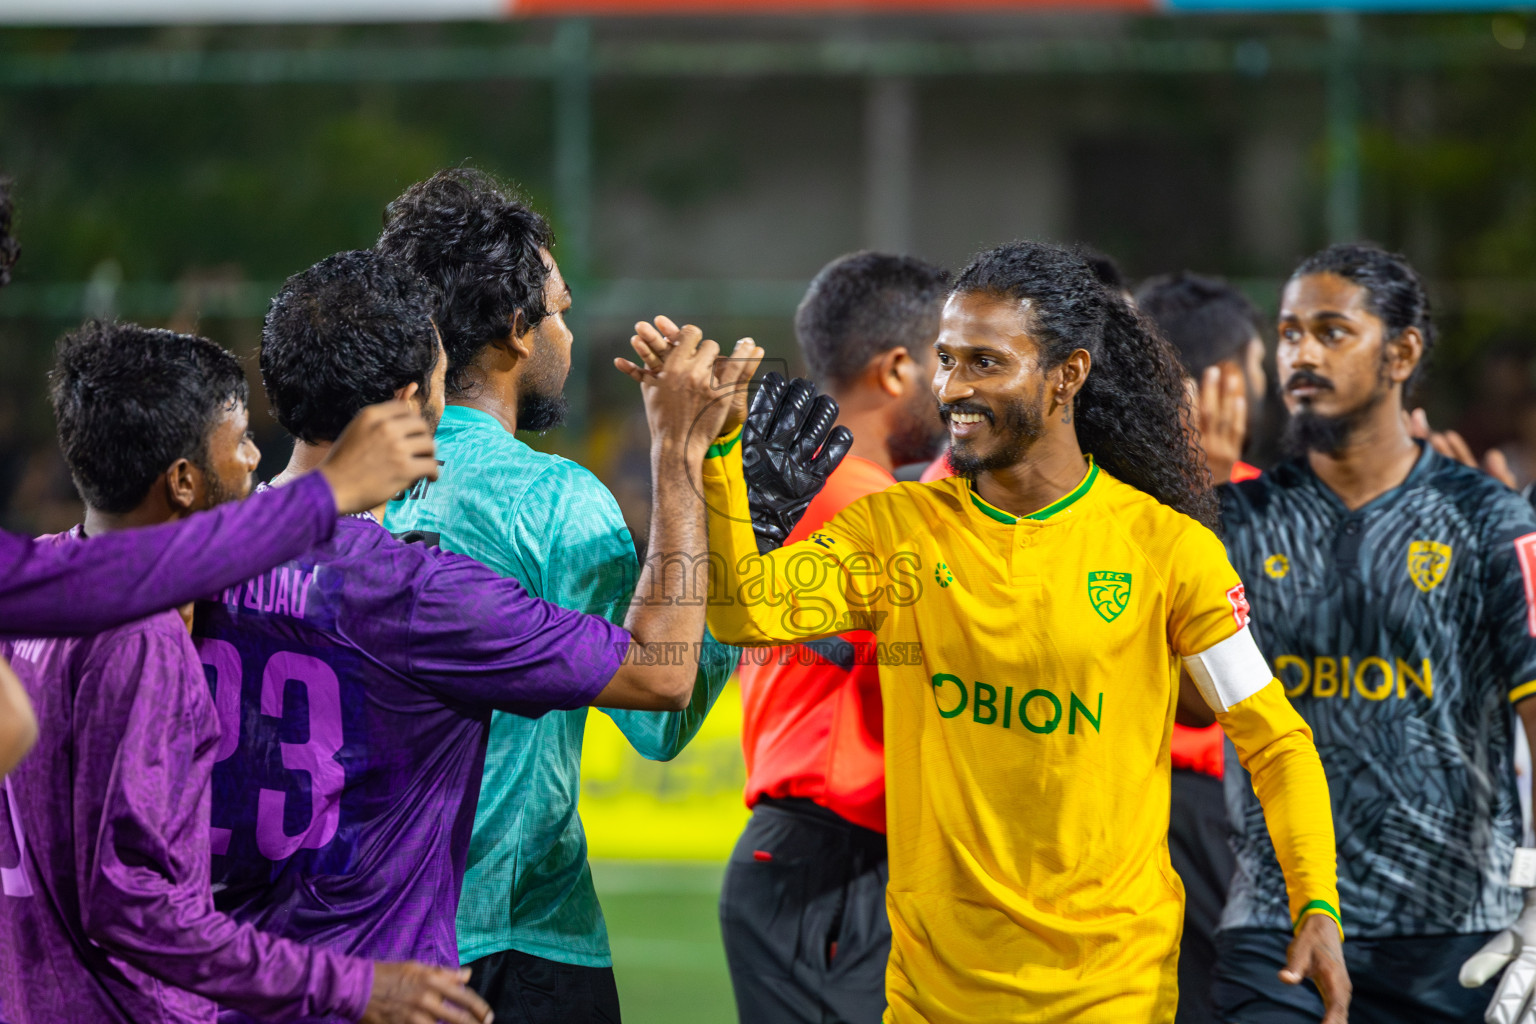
(1394, 592)
(802, 909)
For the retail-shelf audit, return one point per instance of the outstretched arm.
(74, 589)
(78, 589)
(479, 638)
(584, 560)
(769, 462)
(661, 736)
(686, 405)
(799, 592)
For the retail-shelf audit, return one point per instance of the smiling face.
(989, 381)
(1335, 363)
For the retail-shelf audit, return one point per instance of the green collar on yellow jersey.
(723, 444)
(993, 512)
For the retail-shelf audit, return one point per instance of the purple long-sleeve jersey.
(80, 589)
(106, 906)
(355, 685)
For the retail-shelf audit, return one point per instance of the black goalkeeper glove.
(786, 425)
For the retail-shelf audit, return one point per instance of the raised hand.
(413, 993)
(1222, 407)
(1317, 952)
(789, 447)
(386, 448)
(684, 378)
(1453, 446)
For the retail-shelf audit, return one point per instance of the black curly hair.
(1393, 290)
(131, 400)
(479, 245)
(10, 249)
(348, 332)
(1133, 413)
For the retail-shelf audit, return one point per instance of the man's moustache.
(1301, 379)
(947, 411)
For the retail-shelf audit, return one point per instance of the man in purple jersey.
(75, 589)
(106, 907)
(356, 683)
(78, 589)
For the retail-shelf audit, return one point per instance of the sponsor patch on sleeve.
(1239, 601)
(1525, 551)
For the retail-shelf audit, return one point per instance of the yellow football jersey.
(1029, 669)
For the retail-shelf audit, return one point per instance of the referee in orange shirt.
(803, 906)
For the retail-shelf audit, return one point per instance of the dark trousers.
(527, 989)
(1198, 834)
(1397, 981)
(802, 912)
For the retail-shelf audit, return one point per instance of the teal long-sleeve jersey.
(550, 524)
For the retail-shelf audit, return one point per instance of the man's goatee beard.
(1025, 424)
(541, 412)
(1308, 431)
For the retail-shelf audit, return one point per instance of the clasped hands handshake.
(790, 441)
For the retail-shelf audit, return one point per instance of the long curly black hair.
(1133, 413)
(10, 249)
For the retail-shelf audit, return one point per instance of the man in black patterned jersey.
(1394, 593)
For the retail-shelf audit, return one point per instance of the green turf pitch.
(664, 924)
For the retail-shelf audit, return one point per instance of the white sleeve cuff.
(1229, 672)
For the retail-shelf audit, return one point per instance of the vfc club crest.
(1428, 562)
(1109, 593)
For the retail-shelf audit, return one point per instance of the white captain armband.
(1229, 672)
(1522, 870)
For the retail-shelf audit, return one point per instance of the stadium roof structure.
(141, 12)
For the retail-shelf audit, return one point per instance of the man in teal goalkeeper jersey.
(529, 924)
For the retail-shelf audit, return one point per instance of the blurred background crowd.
(707, 167)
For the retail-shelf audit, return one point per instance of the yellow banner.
(689, 808)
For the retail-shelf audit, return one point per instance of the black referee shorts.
(1199, 844)
(802, 912)
(1397, 981)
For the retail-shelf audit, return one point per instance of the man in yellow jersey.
(1032, 614)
